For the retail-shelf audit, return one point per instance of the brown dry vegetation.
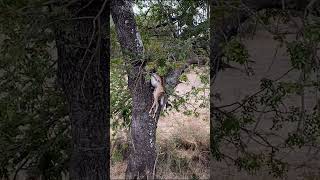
(182, 143)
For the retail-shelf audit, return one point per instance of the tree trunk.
(143, 132)
(142, 156)
(83, 75)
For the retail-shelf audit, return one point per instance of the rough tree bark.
(143, 128)
(83, 47)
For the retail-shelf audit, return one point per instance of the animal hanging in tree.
(159, 93)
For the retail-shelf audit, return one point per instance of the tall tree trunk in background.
(83, 75)
(143, 127)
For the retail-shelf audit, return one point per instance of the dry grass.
(184, 154)
(182, 144)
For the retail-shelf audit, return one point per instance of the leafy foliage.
(235, 128)
(235, 51)
(172, 32)
(34, 124)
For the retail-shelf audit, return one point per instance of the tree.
(142, 158)
(36, 133)
(83, 75)
(141, 163)
(34, 122)
(230, 124)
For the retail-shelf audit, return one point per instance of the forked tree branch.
(172, 79)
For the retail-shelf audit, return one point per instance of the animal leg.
(154, 103)
(155, 111)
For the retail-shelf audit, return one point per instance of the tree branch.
(226, 24)
(172, 79)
